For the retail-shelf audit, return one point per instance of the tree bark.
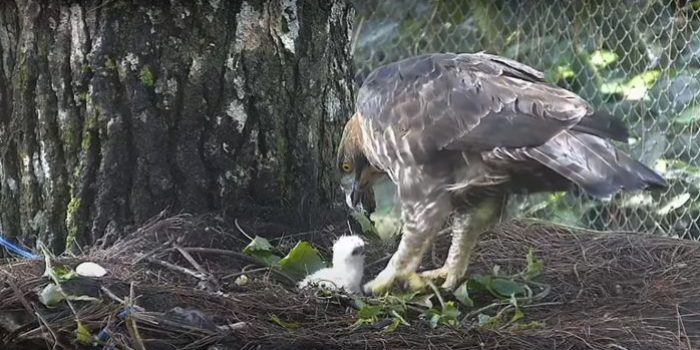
(112, 111)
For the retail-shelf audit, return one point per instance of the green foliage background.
(637, 59)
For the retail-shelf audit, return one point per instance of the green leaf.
(302, 260)
(369, 312)
(258, 244)
(676, 166)
(83, 334)
(462, 295)
(269, 258)
(689, 116)
(485, 320)
(422, 300)
(561, 72)
(51, 295)
(638, 200)
(282, 323)
(632, 89)
(432, 316)
(396, 322)
(261, 248)
(434, 320)
(497, 286)
(393, 326)
(534, 266)
(602, 58)
(410, 296)
(480, 283)
(674, 203)
(450, 313)
(506, 288)
(64, 273)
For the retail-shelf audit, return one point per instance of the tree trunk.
(112, 111)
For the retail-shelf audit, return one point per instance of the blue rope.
(17, 249)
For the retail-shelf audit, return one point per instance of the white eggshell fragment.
(90, 269)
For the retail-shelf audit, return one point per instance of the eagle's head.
(357, 174)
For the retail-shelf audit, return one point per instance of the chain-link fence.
(637, 59)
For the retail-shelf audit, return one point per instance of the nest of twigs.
(171, 286)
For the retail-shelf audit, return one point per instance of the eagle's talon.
(380, 284)
(415, 282)
(388, 278)
(450, 282)
(435, 274)
(450, 279)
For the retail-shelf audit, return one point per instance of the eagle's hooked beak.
(351, 188)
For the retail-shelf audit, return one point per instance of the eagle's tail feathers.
(595, 165)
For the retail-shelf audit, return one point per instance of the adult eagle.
(458, 133)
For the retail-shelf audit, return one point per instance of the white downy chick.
(347, 270)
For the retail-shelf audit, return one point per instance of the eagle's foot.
(444, 273)
(435, 274)
(450, 281)
(382, 283)
(388, 278)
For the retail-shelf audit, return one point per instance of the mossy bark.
(112, 111)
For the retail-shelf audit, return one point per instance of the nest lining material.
(174, 277)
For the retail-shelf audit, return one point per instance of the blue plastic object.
(17, 249)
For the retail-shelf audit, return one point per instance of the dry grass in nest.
(608, 291)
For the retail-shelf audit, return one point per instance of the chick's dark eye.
(358, 251)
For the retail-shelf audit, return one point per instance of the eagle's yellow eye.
(347, 167)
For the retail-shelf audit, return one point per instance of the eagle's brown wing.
(469, 101)
(480, 102)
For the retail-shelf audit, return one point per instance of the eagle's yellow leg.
(401, 268)
(466, 230)
(434, 274)
(421, 223)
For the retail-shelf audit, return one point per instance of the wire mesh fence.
(636, 59)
